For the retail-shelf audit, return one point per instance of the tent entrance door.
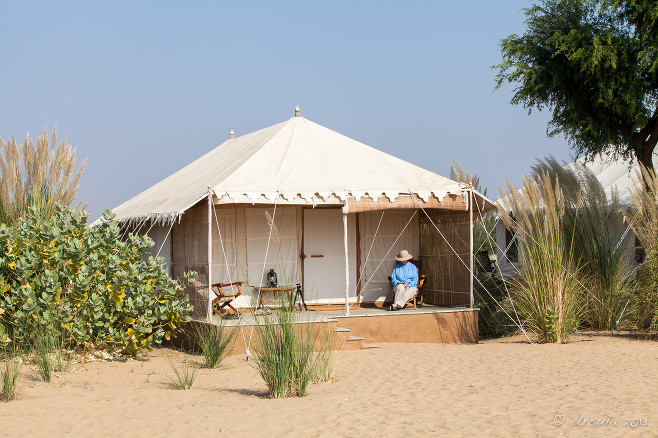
(324, 264)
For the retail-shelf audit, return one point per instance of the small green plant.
(43, 348)
(285, 356)
(61, 359)
(183, 377)
(10, 367)
(325, 364)
(215, 342)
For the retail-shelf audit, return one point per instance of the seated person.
(404, 280)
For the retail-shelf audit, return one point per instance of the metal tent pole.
(347, 265)
(210, 207)
(470, 263)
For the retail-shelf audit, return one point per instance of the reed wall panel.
(190, 253)
(445, 251)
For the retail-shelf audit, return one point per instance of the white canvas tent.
(341, 211)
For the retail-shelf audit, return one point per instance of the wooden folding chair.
(224, 299)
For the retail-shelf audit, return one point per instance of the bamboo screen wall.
(448, 278)
(190, 253)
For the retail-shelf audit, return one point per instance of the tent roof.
(295, 162)
(616, 175)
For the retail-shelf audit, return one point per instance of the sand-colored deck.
(427, 324)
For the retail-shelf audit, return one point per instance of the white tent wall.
(161, 236)
(377, 263)
(282, 252)
(324, 265)
(225, 266)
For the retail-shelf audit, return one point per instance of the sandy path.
(496, 388)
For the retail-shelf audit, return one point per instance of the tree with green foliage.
(594, 64)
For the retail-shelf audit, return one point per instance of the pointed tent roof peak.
(296, 160)
(297, 111)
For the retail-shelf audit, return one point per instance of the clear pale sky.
(142, 88)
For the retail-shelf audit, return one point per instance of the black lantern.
(271, 278)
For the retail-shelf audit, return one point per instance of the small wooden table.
(274, 291)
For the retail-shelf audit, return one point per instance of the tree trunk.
(645, 152)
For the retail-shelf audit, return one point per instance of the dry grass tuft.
(41, 175)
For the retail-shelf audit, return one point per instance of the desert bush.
(591, 226)
(43, 348)
(41, 177)
(10, 366)
(644, 299)
(215, 342)
(9, 370)
(548, 295)
(287, 355)
(60, 275)
(643, 219)
(491, 298)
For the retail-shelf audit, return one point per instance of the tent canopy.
(296, 162)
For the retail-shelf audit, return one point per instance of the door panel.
(324, 265)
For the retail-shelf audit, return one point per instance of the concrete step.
(354, 338)
(341, 330)
(366, 346)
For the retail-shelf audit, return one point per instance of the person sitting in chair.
(404, 280)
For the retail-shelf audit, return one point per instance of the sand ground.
(495, 388)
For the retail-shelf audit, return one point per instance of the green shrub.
(285, 352)
(590, 226)
(549, 295)
(10, 367)
(43, 348)
(644, 307)
(215, 342)
(62, 275)
(491, 298)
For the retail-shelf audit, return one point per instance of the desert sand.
(503, 387)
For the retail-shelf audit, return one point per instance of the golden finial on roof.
(297, 111)
(232, 134)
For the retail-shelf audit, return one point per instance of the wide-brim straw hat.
(404, 256)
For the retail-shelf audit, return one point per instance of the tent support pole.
(470, 263)
(210, 207)
(347, 265)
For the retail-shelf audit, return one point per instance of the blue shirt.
(405, 273)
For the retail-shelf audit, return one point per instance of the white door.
(324, 265)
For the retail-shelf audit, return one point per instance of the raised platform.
(365, 327)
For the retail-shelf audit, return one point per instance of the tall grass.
(43, 348)
(548, 296)
(41, 176)
(643, 219)
(285, 352)
(592, 227)
(10, 367)
(215, 342)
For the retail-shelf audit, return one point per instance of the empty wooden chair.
(223, 297)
